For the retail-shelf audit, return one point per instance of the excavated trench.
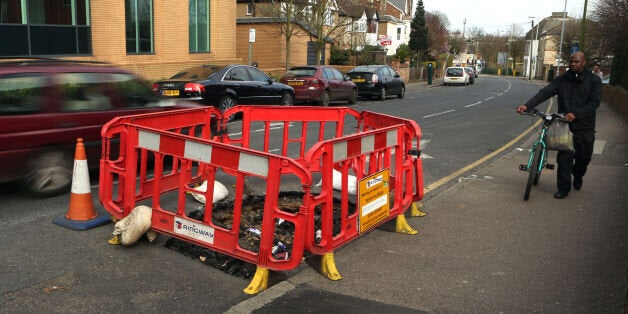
(250, 229)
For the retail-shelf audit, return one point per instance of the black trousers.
(574, 162)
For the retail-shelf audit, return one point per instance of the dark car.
(377, 81)
(320, 84)
(225, 86)
(471, 72)
(46, 104)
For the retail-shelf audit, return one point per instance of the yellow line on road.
(446, 179)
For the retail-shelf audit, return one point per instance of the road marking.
(491, 97)
(438, 114)
(471, 105)
(598, 147)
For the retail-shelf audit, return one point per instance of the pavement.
(480, 248)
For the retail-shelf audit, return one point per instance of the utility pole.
(530, 52)
(562, 32)
(584, 26)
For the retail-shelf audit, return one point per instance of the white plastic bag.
(559, 136)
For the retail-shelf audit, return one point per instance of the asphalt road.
(480, 249)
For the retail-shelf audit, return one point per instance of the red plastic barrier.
(163, 156)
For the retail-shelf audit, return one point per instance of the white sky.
(494, 16)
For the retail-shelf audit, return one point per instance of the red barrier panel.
(374, 142)
(136, 184)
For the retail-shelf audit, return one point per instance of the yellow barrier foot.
(259, 282)
(115, 240)
(403, 226)
(415, 210)
(328, 267)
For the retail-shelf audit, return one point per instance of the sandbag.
(131, 228)
(220, 192)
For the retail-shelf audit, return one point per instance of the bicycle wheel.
(533, 171)
(537, 177)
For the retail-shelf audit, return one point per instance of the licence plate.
(453, 78)
(295, 83)
(358, 80)
(169, 92)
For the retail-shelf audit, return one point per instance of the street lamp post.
(531, 47)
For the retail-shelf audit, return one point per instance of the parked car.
(471, 74)
(320, 84)
(456, 75)
(475, 71)
(377, 81)
(46, 104)
(225, 86)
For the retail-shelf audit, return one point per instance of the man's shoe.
(560, 195)
(577, 183)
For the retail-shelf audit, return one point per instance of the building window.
(44, 27)
(139, 26)
(398, 33)
(199, 26)
(250, 9)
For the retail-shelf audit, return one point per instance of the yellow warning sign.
(373, 199)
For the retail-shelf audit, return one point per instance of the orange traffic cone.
(81, 214)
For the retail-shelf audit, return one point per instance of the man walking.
(579, 92)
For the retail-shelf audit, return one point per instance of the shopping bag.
(559, 136)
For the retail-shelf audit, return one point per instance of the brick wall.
(171, 39)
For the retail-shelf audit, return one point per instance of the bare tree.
(611, 17)
(437, 24)
(325, 23)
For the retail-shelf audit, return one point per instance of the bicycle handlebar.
(545, 116)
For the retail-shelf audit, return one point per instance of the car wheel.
(48, 174)
(382, 93)
(402, 92)
(354, 97)
(324, 101)
(225, 103)
(287, 99)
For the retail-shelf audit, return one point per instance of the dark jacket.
(578, 93)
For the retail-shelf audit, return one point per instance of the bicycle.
(538, 153)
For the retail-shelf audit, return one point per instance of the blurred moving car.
(46, 104)
(456, 75)
(225, 86)
(377, 81)
(321, 84)
(471, 74)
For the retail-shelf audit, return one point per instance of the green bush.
(339, 56)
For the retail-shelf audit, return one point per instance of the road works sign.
(373, 199)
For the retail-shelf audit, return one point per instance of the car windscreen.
(454, 72)
(195, 73)
(300, 72)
